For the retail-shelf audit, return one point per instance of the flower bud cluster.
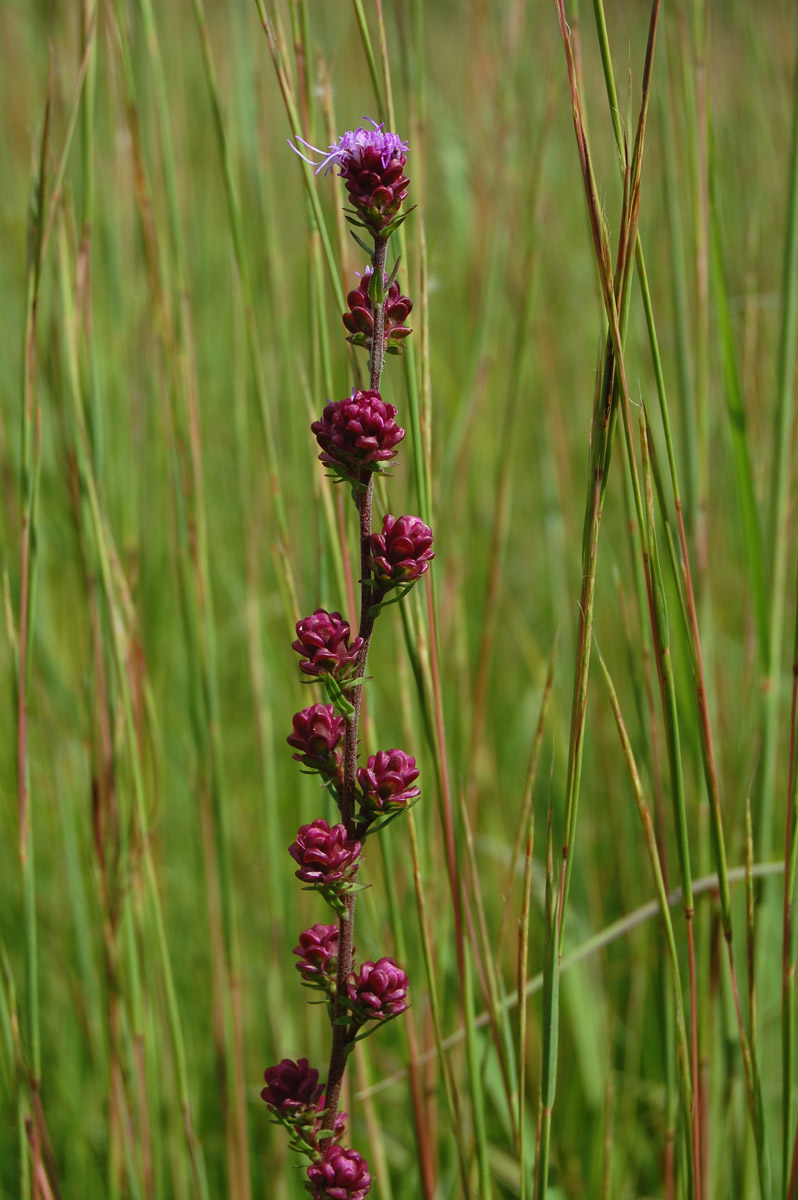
(318, 957)
(324, 640)
(317, 738)
(357, 437)
(295, 1099)
(387, 783)
(327, 859)
(359, 319)
(401, 553)
(340, 1175)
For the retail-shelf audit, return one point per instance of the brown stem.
(343, 1032)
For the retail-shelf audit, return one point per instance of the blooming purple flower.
(357, 434)
(377, 991)
(292, 1087)
(317, 733)
(324, 640)
(359, 320)
(342, 1174)
(318, 955)
(402, 552)
(324, 854)
(371, 163)
(386, 782)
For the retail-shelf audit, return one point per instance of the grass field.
(599, 395)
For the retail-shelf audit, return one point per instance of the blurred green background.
(187, 330)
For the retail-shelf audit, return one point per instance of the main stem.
(342, 1032)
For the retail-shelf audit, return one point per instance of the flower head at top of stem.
(342, 1174)
(323, 639)
(357, 435)
(371, 163)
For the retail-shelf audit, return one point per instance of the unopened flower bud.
(318, 956)
(358, 434)
(342, 1174)
(324, 854)
(323, 639)
(359, 320)
(292, 1087)
(317, 734)
(401, 553)
(377, 991)
(386, 782)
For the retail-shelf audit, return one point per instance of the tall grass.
(600, 401)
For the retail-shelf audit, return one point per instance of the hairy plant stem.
(342, 1029)
(378, 334)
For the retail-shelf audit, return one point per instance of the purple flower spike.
(378, 991)
(341, 1174)
(402, 552)
(317, 733)
(358, 434)
(371, 162)
(386, 782)
(359, 320)
(292, 1087)
(324, 641)
(324, 855)
(318, 956)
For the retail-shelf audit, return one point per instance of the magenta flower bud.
(324, 855)
(317, 733)
(359, 320)
(324, 640)
(377, 991)
(401, 553)
(318, 956)
(386, 782)
(358, 434)
(292, 1087)
(342, 1174)
(371, 163)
